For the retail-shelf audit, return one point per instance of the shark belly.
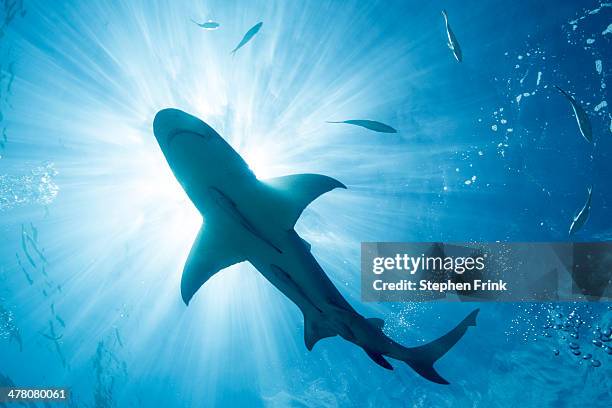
(296, 273)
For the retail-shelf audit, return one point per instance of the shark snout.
(170, 123)
(165, 124)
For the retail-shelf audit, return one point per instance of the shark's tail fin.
(422, 358)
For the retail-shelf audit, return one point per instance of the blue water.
(487, 150)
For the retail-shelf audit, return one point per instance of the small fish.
(582, 215)
(584, 124)
(11, 70)
(34, 246)
(52, 338)
(453, 44)
(25, 248)
(369, 124)
(27, 275)
(34, 232)
(118, 337)
(248, 36)
(55, 338)
(207, 25)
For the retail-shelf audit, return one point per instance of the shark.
(247, 219)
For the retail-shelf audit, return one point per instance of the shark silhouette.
(246, 219)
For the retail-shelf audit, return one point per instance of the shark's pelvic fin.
(296, 191)
(379, 359)
(210, 253)
(422, 358)
(314, 332)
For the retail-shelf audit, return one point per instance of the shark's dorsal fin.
(210, 253)
(376, 322)
(314, 332)
(296, 191)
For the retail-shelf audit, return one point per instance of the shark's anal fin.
(295, 192)
(210, 253)
(314, 332)
(379, 359)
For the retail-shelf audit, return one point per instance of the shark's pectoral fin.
(296, 191)
(379, 359)
(210, 253)
(376, 322)
(314, 332)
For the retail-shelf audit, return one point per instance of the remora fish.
(582, 215)
(584, 124)
(207, 25)
(247, 37)
(251, 220)
(369, 124)
(453, 44)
